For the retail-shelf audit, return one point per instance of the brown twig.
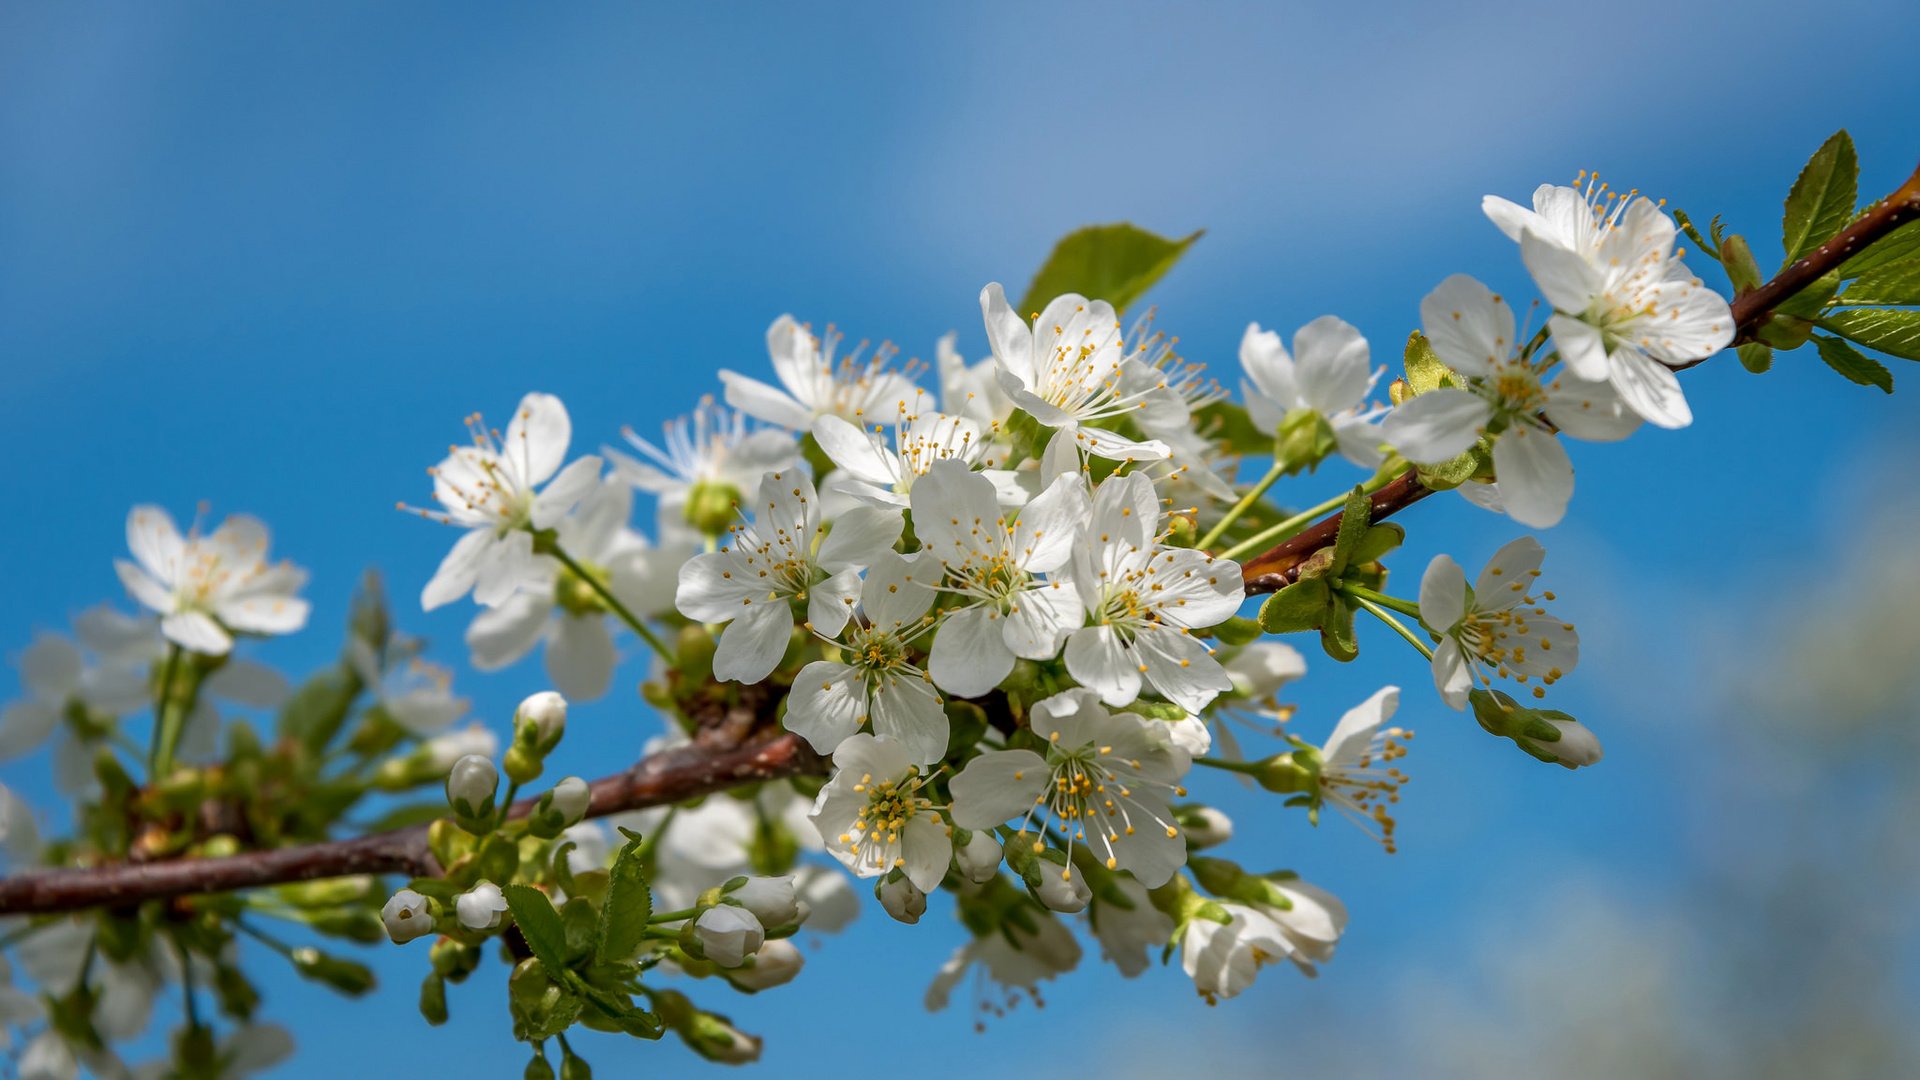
(670, 776)
(727, 753)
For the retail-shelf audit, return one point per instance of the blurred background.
(268, 257)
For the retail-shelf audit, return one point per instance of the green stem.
(1391, 603)
(1233, 512)
(1398, 627)
(1243, 767)
(612, 601)
(186, 985)
(674, 916)
(264, 938)
(167, 721)
(506, 804)
(1282, 529)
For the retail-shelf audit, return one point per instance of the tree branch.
(741, 748)
(670, 776)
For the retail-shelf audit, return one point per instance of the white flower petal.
(998, 786)
(580, 657)
(1436, 426)
(1536, 478)
(1443, 594)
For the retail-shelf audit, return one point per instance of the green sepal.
(1354, 519)
(1300, 606)
(1336, 634)
(1755, 356)
(1425, 370)
(1737, 257)
(1376, 542)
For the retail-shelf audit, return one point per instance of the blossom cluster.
(1010, 610)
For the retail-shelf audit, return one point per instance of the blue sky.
(269, 257)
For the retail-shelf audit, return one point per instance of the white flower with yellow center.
(1628, 308)
(880, 471)
(1357, 774)
(711, 449)
(1472, 331)
(208, 588)
(1105, 781)
(1004, 610)
(816, 384)
(1329, 373)
(876, 683)
(1067, 370)
(1143, 600)
(1497, 628)
(875, 817)
(785, 554)
(492, 489)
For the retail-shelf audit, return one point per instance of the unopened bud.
(771, 899)
(901, 898)
(1205, 827)
(540, 721)
(712, 507)
(560, 809)
(724, 934)
(775, 964)
(470, 787)
(978, 858)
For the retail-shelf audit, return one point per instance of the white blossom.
(881, 471)
(728, 935)
(1472, 331)
(778, 558)
(1260, 668)
(1627, 308)
(877, 685)
(776, 964)
(1222, 959)
(1104, 780)
(480, 907)
(1129, 935)
(557, 607)
(816, 384)
(874, 816)
(1066, 371)
(416, 694)
(1329, 373)
(407, 916)
(1005, 610)
(1142, 599)
(711, 449)
(1498, 628)
(1357, 771)
(1025, 952)
(208, 588)
(493, 489)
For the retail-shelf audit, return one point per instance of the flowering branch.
(1278, 566)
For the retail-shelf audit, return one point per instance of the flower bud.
(470, 786)
(772, 901)
(1284, 774)
(775, 964)
(724, 934)
(1575, 746)
(1205, 827)
(407, 916)
(712, 507)
(540, 721)
(714, 1038)
(978, 859)
(480, 907)
(559, 809)
(1061, 888)
(902, 899)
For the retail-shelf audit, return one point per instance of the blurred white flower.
(208, 588)
(1329, 374)
(710, 450)
(816, 384)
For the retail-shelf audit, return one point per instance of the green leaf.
(1899, 245)
(1115, 263)
(1896, 333)
(1353, 525)
(1425, 370)
(533, 913)
(1821, 202)
(1848, 361)
(1893, 283)
(629, 904)
(1755, 357)
(1300, 606)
